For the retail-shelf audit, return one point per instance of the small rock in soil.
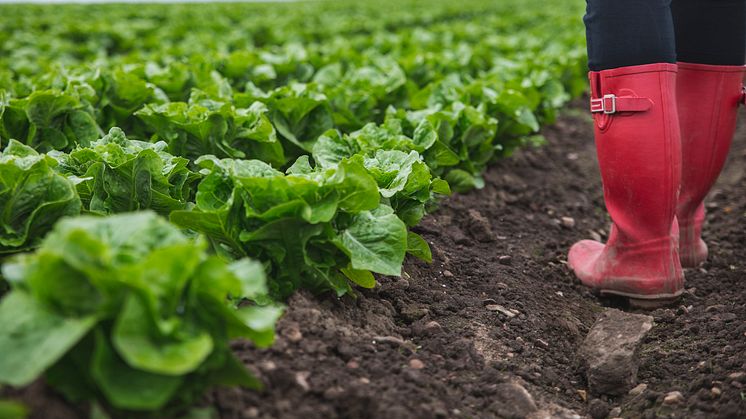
(674, 397)
(416, 364)
(353, 365)
(502, 310)
(594, 236)
(610, 351)
(448, 274)
(433, 327)
(505, 260)
(598, 409)
(567, 222)
(615, 412)
(738, 376)
(514, 402)
(333, 393)
(292, 333)
(583, 395)
(301, 378)
(638, 390)
(716, 392)
(251, 412)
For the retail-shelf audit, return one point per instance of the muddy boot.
(707, 97)
(639, 154)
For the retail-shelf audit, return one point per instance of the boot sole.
(647, 301)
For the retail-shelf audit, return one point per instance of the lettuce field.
(193, 195)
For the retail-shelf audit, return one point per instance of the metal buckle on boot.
(600, 105)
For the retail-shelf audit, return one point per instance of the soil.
(498, 307)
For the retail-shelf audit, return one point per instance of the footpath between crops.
(498, 312)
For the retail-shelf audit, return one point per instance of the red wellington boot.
(708, 97)
(639, 154)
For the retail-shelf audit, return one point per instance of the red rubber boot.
(639, 154)
(708, 97)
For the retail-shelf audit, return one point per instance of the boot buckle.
(606, 104)
(743, 95)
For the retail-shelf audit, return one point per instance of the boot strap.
(743, 95)
(610, 104)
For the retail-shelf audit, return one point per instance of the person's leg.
(711, 50)
(622, 33)
(633, 80)
(710, 31)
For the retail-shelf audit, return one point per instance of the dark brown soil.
(435, 344)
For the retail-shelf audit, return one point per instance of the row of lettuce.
(157, 204)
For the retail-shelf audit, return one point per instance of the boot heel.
(652, 304)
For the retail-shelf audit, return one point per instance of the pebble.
(716, 307)
(333, 393)
(583, 395)
(674, 397)
(433, 326)
(448, 274)
(502, 310)
(512, 401)
(268, 366)
(505, 259)
(738, 376)
(251, 412)
(301, 378)
(638, 390)
(716, 392)
(567, 222)
(615, 412)
(594, 236)
(416, 364)
(293, 334)
(353, 365)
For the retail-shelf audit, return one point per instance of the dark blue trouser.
(632, 32)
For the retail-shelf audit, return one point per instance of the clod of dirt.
(412, 312)
(514, 402)
(610, 351)
(598, 409)
(479, 227)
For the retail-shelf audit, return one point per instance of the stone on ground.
(610, 352)
(513, 402)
